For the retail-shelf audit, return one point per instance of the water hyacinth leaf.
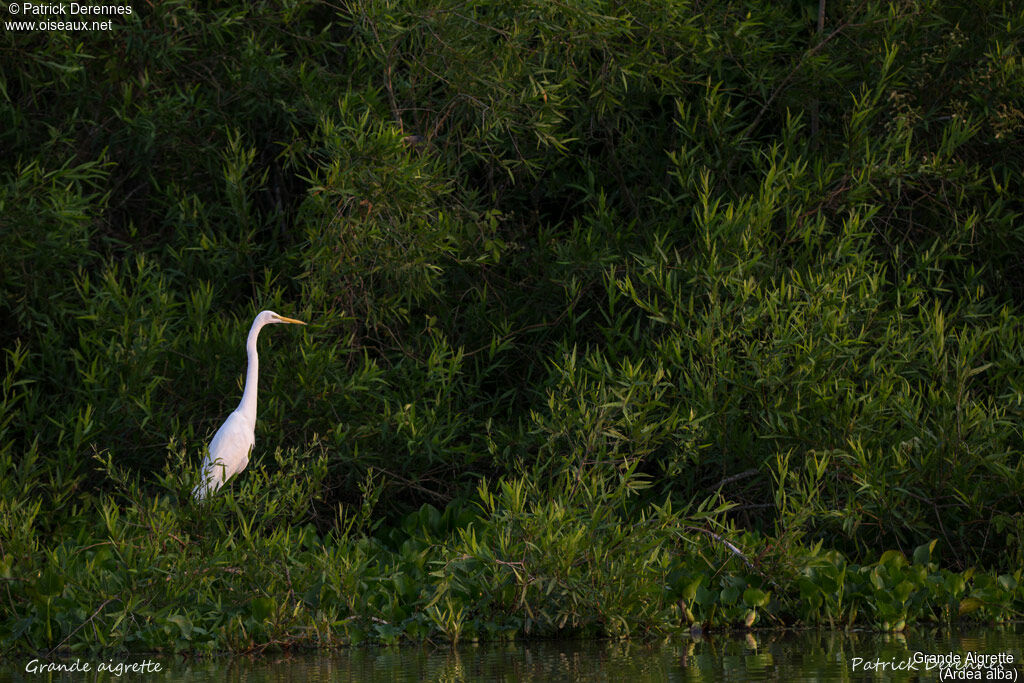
(903, 591)
(690, 591)
(705, 598)
(893, 559)
(923, 552)
(968, 605)
(755, 597)
(183, 624)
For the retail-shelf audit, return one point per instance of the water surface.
(759, 656)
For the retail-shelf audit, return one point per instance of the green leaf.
(892, 559)
(755, 597)
(183, 623)
(262, 608)
(704, 597)
(690, 592)
(923, 552)
(904, 591)
(968, 605)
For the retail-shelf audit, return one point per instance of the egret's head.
(268, 317)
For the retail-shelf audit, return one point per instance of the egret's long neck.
(252, 373)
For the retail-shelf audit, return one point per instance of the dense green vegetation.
(624, 316)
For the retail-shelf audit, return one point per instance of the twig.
(733, 549)
(735, 477)
(411, 484)
(789, 77)
(66, 639)
(814, 102)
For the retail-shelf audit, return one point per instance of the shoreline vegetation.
(626, 320)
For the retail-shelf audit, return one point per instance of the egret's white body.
(229, 449)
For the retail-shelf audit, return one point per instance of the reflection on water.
(767, 655)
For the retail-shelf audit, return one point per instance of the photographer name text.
(38, 9)
(949, 666)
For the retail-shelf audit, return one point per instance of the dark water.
(759, 656)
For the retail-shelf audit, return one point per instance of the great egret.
(229, 450)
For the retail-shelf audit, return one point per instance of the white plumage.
(229, 450)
